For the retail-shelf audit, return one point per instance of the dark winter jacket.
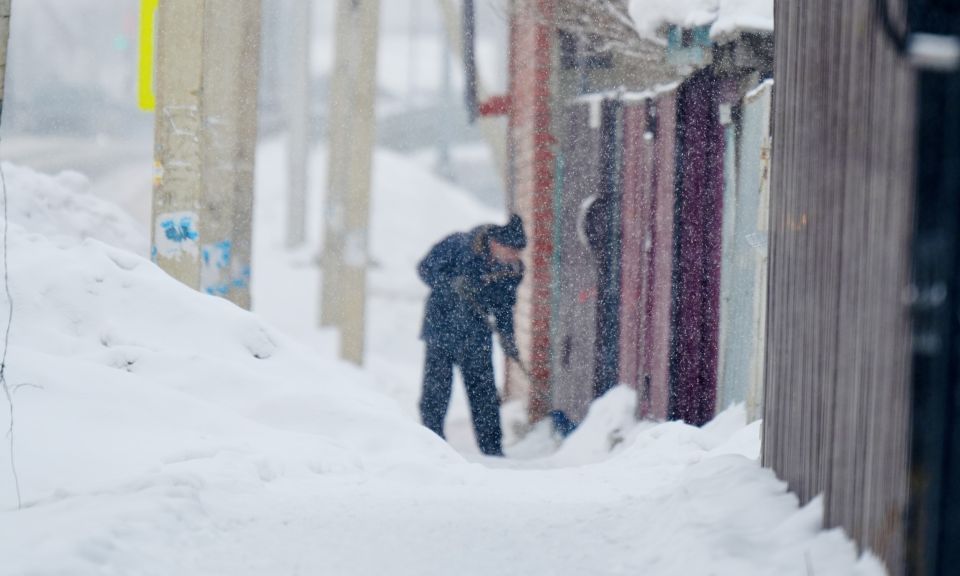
(467, 287)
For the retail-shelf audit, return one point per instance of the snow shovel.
(561, 423)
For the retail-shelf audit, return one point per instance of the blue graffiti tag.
(225, 249)
(218, 290)
(180, 232)
(216, 260)
(243, 279)
(218, 254)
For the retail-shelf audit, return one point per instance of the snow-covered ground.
(159, 431)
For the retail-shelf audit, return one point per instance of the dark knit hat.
(511, 235)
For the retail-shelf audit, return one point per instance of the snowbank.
(694, 500)
(119, 371)
(106, 343)
(62, 206)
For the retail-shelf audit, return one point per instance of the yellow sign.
(146, 96)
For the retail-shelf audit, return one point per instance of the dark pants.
(476, 366)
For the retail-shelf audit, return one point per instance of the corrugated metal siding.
(758, 109)
(647, 249)
(837, 362)
(744, 272)
(635, 210)
(606, 244)
(697, 249)
(731, 333)
(657, 329)
(575, 340)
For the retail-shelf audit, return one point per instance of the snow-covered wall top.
(725, 15)
(598, 97)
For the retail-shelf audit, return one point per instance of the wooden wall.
(838, 338)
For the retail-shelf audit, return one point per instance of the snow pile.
(611, 428)
(610, 425)
(725, 16)
(710, 509)
(700, 485)
(692, 500)
(120, 372)
(104, 343)
(61, 205)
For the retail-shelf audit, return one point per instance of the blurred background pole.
(494, 130)
(352, 127)
(298, 121)
(236, 56)
(208, 55)
(4, 40)
(444, 167)
(338, 127)
(413, 57)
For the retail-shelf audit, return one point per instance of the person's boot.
(493, 452)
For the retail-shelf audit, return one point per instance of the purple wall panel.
(635, 213)
(647, 250)
(697, 252)
(655, 382)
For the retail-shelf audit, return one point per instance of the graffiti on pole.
(176, 233)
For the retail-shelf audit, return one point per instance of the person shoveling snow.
(472, 276)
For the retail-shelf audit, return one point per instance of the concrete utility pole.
(4, 40)
(413, 57)
(270, 57)
(352, 125)
(208, 54)
(298, 121)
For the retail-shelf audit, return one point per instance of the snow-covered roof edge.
(725, 17)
